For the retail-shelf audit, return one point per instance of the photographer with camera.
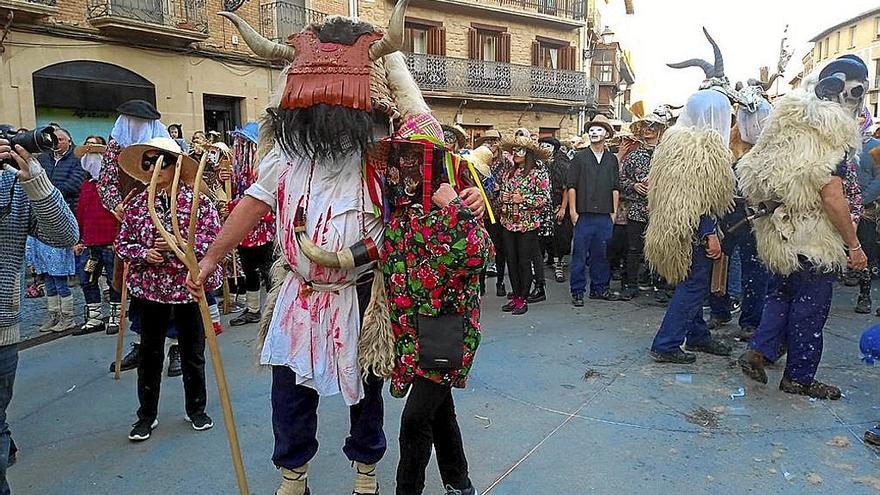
(29, 205)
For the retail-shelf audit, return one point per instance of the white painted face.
(597, 134)
(853, 96)
(546, 147)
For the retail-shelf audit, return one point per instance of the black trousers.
(538, 262)
(867, 233)
(520, 249)
(496, 233)
(255, 262)
(191, 342)
(617, 248)
(635, 251)
(429, 419)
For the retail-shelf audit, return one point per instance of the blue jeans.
(591, 236)
(8, 366)
(795, 315)
(57, 286)
(88, 281)
(684, 316)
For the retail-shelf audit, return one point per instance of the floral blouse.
(263, 233)
(432, 266)
(634, 169)
(108, 181)
(166, 281)
(534, 188)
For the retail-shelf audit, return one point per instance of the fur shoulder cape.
(803, 141)
(690, 176)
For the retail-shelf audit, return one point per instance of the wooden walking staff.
(123, 315)
(183, 248)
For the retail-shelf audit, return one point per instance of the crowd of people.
(384, 242)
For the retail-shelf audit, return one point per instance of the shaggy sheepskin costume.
(804, 140)
(690, 176)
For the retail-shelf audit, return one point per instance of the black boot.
(174, 368)
(129, 361)
(863, 305)
(500, 291)
(537, 295)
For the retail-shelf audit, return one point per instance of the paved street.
(561, 401)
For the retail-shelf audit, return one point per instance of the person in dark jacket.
(869, 180)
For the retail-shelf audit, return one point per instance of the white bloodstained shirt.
(315, 333)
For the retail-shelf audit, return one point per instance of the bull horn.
(695, 62)
(260, 45)
(319, 256)
(393, 39)
(769, 84)
(359, 254)
(719, 60)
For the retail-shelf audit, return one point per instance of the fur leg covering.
(376, 343)
(691, 175)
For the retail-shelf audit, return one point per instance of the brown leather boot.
(752, 364)
(816, 390)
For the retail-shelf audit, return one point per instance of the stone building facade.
(485, 64)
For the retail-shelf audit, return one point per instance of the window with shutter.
(473, 44)
(536, 54)
(437, 40)
(504, 48)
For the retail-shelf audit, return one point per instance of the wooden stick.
(123, 314)
(188, 257)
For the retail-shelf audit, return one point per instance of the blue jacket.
(869, 179)
(66, 174)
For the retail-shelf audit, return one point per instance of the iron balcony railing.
(180, 14)
(477, 77)
(46, 3)
(573, 9)
(280, 19)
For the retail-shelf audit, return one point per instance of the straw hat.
(132, 159)
(638, 127)
(509, 145)
(84, 149)
(602, 121)
(490, 134)
(458, 132)
(481, 158)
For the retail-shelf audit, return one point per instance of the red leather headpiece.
(329, 73)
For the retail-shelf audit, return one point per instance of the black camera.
(35, 141)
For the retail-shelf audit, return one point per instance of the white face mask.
(853, 96)
(597, 134)
(547, 147)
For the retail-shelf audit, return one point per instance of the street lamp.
(607, 35)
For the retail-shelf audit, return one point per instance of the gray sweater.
(37, 209)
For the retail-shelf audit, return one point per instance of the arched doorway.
(82, 95)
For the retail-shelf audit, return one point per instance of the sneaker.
(577, 300)
(510, 306)
(247, 316)
(715, 322)
(608, 295)
(560, 275)
(752, 364)
(129, 361)
(677, 357)
(662, 296)
(522, 307)
(816, 390)
(735, 306)
(218, 327)
(200, 421)
(872, 436)
(491, 270)
(537, 295)
(500, 291)
(455, 491)
(711, 346)
(629, 293)
(174, 368)
(142, 430)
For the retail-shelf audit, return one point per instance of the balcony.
(571, 9)
(278, 20)
(559, 14)
(167, 22)
(28, 10)
(449, 76)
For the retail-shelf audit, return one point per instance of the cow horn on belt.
(263, 47)
(359, 254)
(393, 39)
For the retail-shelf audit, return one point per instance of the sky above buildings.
(748, 32)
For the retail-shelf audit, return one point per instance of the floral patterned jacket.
(164, 282)
(432, 266)
(535, 190)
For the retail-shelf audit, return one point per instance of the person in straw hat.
(454, 138)
(523, 197)
(559, 244)
(491, 140)
(592, 203)
(634, 190)
(157, 279)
